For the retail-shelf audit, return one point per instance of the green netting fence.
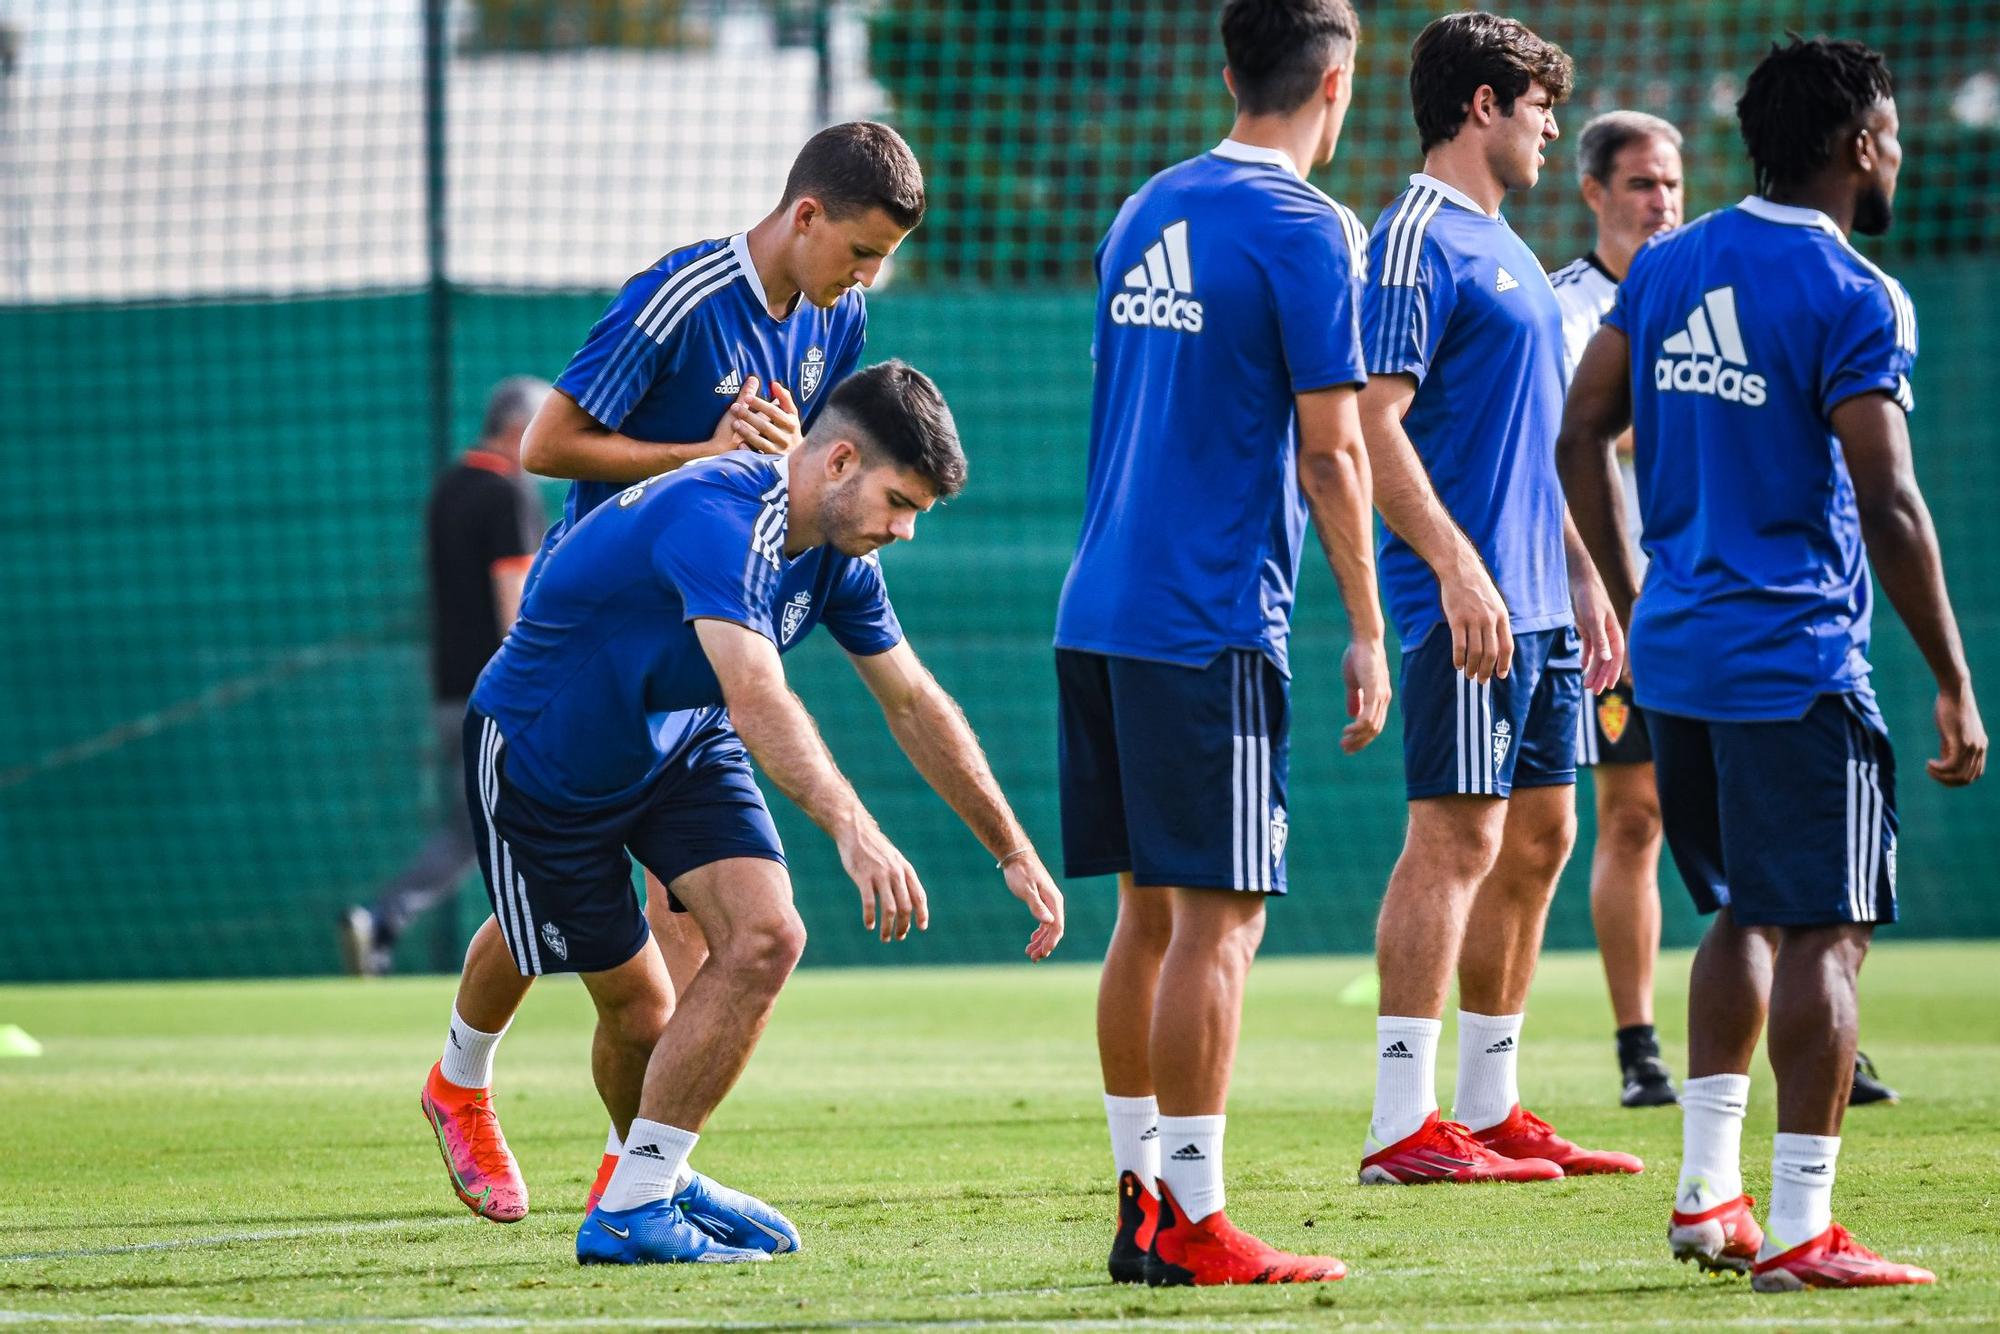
(259, 265)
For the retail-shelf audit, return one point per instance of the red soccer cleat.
(1833, 1259)
(1138, 1219)
(1721, 1240)
(1215, 1251)
(1524, 1135)
(603, 1182)
(484, 1175)
(1442, 1150)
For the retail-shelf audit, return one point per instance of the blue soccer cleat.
(652, 1234)
(736, 1219)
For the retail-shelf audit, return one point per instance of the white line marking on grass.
(230, 1239)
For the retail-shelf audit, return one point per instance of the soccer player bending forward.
(1764, 367)
(1223, 416)
(620, 718)
(1503, 620)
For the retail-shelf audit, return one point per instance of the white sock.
(1801, 1190)
(650, 1167)
(1190, 1149)
(1712, 1110)
(1135, 1137)
(1405, 1077)
(1489, 1054)
(614, 1147)
(468, 1054)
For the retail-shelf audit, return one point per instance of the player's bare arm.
(1482, 640)
(782, 739)
(932, 730)
(1598, 412)
(1596, 620)
(565, 441)
(1903, 547)
(1340, 491)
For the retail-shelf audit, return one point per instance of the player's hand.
(1365, 669)
(1597, 626)
(1961, 739)
(727, 434)
(767, 425)
(1029, 881)
(1482, 639)
(892, 898)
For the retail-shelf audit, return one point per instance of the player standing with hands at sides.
(671, 373)
(1629, 166)
(1763, 365)
(619, 720)
(1503, 621)
(1222, 418)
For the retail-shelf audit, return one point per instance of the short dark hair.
(1602, 140)
(1803, 97)
(895, 409)
(1278, 50)
(1454, 55)
(855, 166)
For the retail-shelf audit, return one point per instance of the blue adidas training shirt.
(1747, 328)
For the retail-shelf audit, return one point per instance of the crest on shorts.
(1613, 717)
(1503, 737)
(810, 370)
(1281, 833)
(794, 616)
(554, 940)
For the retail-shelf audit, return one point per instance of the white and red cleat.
(1722, 1240)
(1525, 1135)
(1215, 1252)
(1443, 1150)
(1833, 1259)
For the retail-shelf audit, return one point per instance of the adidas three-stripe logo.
(1707, 356)
(1188, 1153)
(1160, 289)
(1398, 1050)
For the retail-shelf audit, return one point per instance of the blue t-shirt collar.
(1453, 193)
(1790, 214)
(740, 245)
(1238, 151)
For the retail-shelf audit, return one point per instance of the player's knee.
(1631, 825)
(1541, 847)
(762, 954)
(637, 1021)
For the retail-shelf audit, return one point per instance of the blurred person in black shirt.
(482, 527)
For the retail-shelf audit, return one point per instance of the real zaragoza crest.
(1613, 717)
(795, 615)
(810, 370)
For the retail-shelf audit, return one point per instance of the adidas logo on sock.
(1188, 1153)
(1505, 282)
(730, 384)
(647, 1151)
(1817, 1169)
(454, 1039)
(1503, 1045)
(1152, 1133)
(1397, 1051)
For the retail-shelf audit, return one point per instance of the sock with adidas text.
(1489, 1055)
(1135, 1137)
(1405, 1077)
(1712, 1110)
(650, 1166)
(468, 1054)
(1190, 1149)
(1801, 1190)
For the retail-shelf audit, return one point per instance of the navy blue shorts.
(1175, 774)
(560, 881)
(1612, 730)
(1785, 824)
(1487, 738)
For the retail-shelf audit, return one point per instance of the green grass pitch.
(250, 1155)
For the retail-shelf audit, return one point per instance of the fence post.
(439, 290)
(823, 55)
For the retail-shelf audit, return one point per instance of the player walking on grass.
(670, 374)
(1222, 415)
(1502, 618)
(619, 720)
(1629, 168)
(1764, 366)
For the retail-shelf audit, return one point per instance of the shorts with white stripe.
(1787, 823)
(1486, 738)
(560, 881)
(1175, 774)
